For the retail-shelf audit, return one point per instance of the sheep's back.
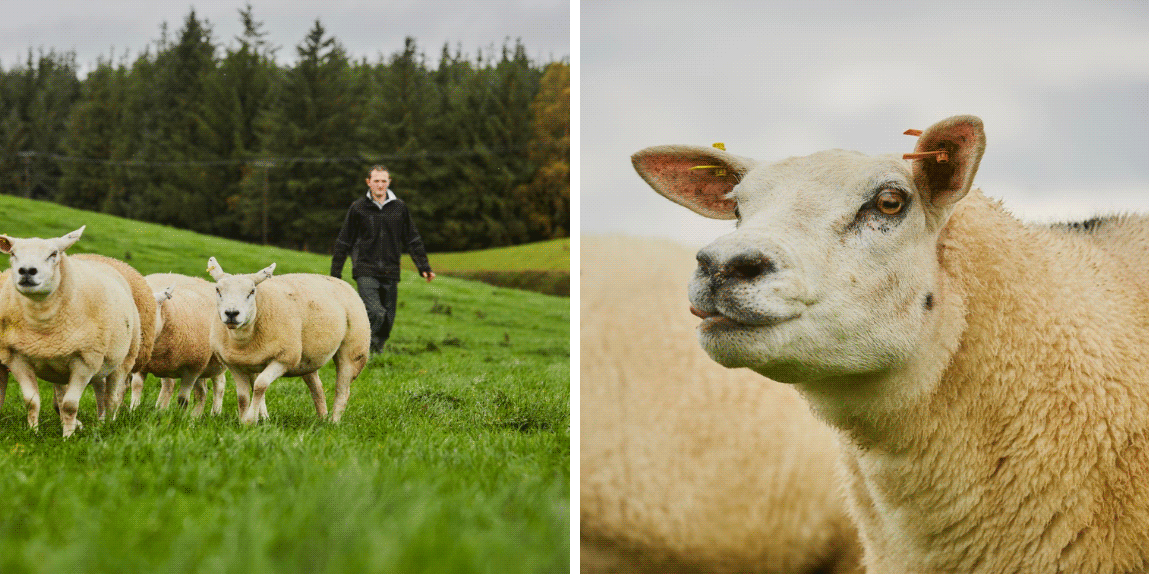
(145, 302)
(184, 342)
(330, 312)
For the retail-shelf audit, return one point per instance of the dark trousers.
(380, 297)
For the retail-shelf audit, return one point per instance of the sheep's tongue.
(699, 314)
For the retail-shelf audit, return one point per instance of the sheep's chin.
(33, 290)
(735, 344)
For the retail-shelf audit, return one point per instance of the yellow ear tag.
(718, 170)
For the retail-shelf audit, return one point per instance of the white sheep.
(145, 301)
(288, 325)
(66, 320)
(687, 466)
(184, 314)
(989, 379)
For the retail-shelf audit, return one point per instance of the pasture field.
(543, 267)
(453, 454)
(553, 255)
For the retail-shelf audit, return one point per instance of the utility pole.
(266, 164)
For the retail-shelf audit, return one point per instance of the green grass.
(553, 255)
(542, 267)
(453, 454)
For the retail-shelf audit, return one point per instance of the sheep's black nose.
(742, 265)
(231, 315)
(29, 271)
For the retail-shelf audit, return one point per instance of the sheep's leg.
(29, 387)
(345, 372)
(117, 387)
(137, 390)
(70, 402)
(57, 395)
(316, 387)
(197, 387)
(242, 391)
(217, 394)
(255, 411)
(167, 388)
(3, 384)
(99, 387)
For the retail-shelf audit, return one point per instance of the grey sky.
(1063, 88)
(366, 28)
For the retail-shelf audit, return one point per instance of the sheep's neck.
(41, 313)
(1026, 422)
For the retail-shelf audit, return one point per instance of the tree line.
(226, 141)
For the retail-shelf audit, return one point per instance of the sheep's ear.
(214, 269)
(963, 140)
(699, 178)
(263, 274)
(164, 295)
(70, 239)
(5, 244)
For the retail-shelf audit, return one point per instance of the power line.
(266, 162)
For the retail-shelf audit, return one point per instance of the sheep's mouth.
(27, 285)
(714, 319)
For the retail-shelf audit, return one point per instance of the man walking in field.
(375, 232)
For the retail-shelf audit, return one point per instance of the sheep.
(67, 320)
(986, 378)
(184, 314)
(288, 325)
(687, 466)
(145, 304)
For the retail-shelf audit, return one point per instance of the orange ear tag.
(941, 155)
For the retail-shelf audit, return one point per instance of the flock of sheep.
(984, 381)
(88, 319)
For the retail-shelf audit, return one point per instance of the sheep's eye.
(891, 202)
(252, 294)
(737, 214)
(54, 254)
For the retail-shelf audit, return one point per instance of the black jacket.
(376, 237)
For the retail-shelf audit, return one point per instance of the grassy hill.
(453, 454)
(543, 267)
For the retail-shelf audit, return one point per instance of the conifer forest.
(217, 136)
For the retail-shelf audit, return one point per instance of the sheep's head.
(832, 268)
(235, 294)
(161, 297)
(36, 262)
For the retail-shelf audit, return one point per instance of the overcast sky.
(1063, 89)
(366, 28)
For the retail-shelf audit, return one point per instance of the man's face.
(378, 183)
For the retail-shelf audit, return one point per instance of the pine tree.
(237, 93)
(95, 136)
(181, 190)
(313, 119)
(34, 105)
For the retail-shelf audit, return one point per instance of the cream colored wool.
(291, 326)
(183, 343)
(80, 327)
(145, 305)
(686, 466)
(989, 379)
